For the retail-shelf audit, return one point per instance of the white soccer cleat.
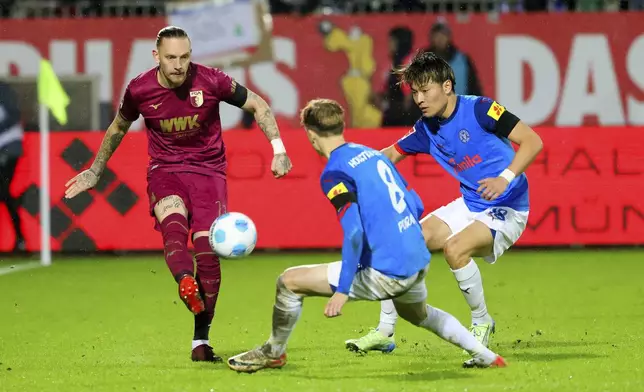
(482, 332)
(257, 359)
(478, 362)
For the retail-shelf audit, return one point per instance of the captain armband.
(506, 123)
(239, 95)
(343, 199)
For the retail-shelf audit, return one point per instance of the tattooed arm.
(87, 179)
(263, 115)
(266, 121)
(115, 133)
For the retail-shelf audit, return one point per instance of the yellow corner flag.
(51, 92)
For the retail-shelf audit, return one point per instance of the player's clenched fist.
(83, 181)
(281, 165)
(492, 188)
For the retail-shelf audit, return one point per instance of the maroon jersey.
(183, 124)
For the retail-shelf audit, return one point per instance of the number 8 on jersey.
(396, 194)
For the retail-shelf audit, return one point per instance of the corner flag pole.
(51, 96)
(45, 211)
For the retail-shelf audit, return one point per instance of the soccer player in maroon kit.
(179, 101)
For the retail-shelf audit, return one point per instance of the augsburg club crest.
(196, 98)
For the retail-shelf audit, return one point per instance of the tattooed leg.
(172, 215)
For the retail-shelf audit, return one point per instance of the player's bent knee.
(306, 280)
(414, 313)
(293, 279)
(287, 279)
(285, 298)
(432, 241)
(455, 253)
(435, 232)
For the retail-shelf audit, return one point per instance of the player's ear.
(447, 86)
(155, 54)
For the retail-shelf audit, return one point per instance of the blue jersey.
(470, 147)
(378, 213)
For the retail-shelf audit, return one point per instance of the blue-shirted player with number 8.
(384, 256)
(469, 136)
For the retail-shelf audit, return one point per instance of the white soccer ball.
(233, 235)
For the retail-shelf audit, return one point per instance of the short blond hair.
(323, 116)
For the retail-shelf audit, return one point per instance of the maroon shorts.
(205, 196)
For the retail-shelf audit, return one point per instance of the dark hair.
(324, 117)
(425, 68)
(171, 32)
(440, 27)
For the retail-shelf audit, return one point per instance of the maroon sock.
(209, 278)
(174, 230)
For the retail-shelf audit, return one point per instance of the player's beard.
(174, 80)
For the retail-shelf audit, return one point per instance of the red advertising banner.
(579, 69)
(585, 188)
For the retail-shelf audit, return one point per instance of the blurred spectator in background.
(467, 80)
(5, 8)
(395, 100)
(11, 135)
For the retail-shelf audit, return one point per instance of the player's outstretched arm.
(115, 133)
(392, 154)
(411, 143)
(266, 120)
(87, 179)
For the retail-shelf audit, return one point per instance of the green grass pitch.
(566, 321)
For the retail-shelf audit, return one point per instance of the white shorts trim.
(372, 285)
(508, 223)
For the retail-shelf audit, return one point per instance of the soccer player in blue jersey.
(383, 252)
(469, 136)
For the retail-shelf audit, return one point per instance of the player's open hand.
(281, 165)
(334, 306)
(83, 181)
(492, 188)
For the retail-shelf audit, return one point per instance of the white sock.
(197, 343)
(447, 327)
(471, 285)
(286, 312)
(388, 317)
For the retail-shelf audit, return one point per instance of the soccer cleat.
(205, 353)
(189, 293)
(373, 341)
(478, 362)
(482, 332)
(257, 359)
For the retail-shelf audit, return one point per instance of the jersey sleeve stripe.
(400, 150)
(343, 210)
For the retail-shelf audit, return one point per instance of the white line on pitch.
(19, 267)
